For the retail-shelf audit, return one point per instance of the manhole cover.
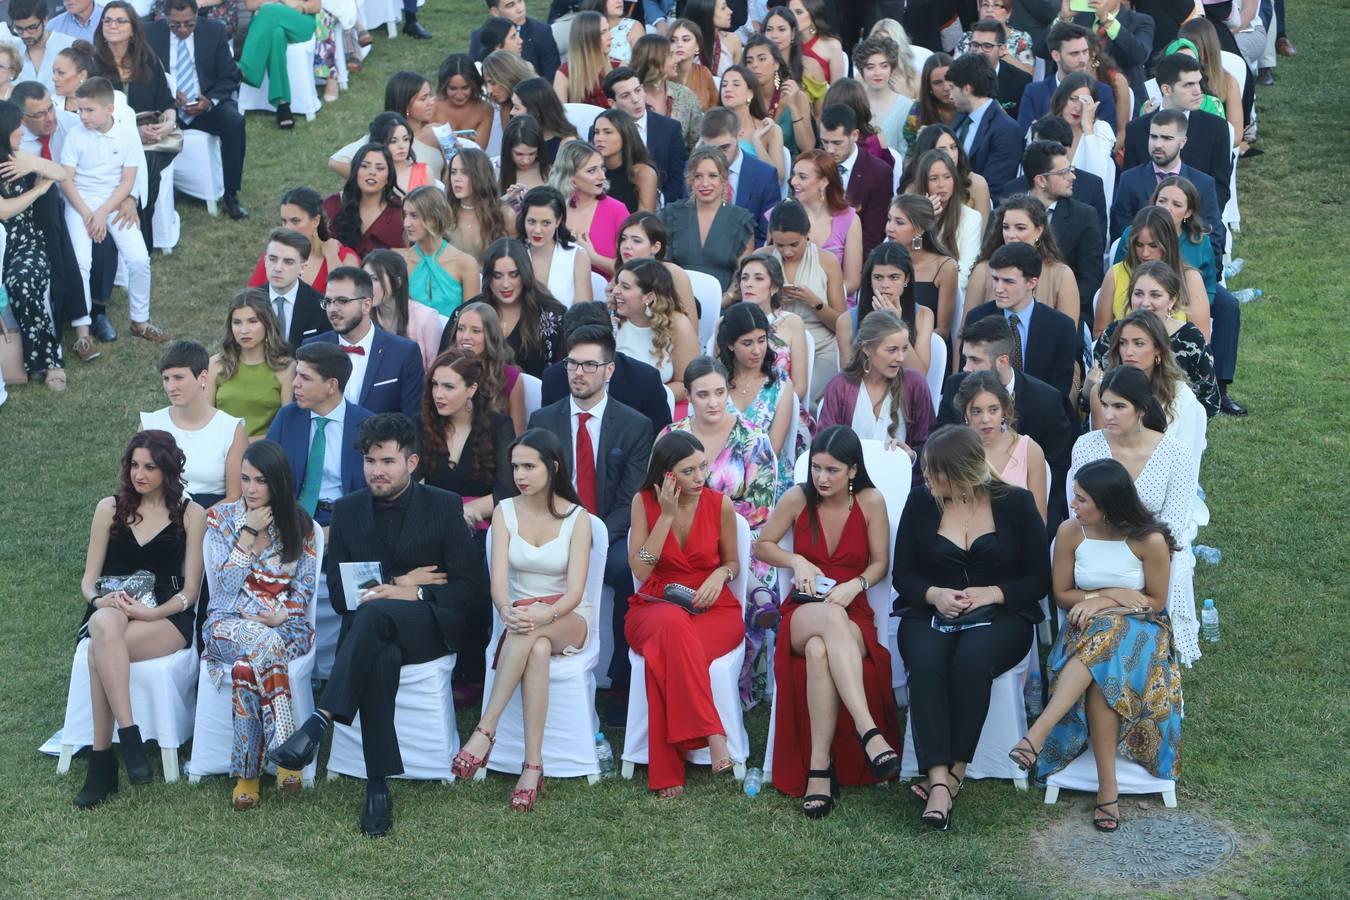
(1151, 846)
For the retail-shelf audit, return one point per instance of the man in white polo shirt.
(101, 160)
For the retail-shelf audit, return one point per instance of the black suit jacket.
(1042, 414)
(1012, 81)
(1207, 148)
(1135, 189)
(537, 47)
(635, 384)
(1087, 188)
(308, 318)
(869, 192)
(1052, 343)
(218, 76)
(666, 145)
(1082, 244)
(626, 438)
(433, 534)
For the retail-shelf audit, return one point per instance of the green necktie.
(309, 494)
(963, 128)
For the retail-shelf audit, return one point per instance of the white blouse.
(205, 449)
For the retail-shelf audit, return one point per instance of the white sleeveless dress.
(636, 341)
(561, 274)
(204, 449)
(541, 571)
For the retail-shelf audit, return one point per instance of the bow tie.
(354, 348)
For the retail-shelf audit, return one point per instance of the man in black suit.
(990, 136)
(1040, 412)
(537, 45)
(197, 51)
(1046, 340)
(606, 445)
(430, 570)
(299, 314)
(1074, 224)
(1125, 34)
(989, 38)
(1168, 135)
(1208, 146)
(1087, 187)
(867, 180)
(661, 134)
(635, 384)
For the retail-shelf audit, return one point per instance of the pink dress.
(839, 227)
(1015, 472)
(424, 328)
(604, 233)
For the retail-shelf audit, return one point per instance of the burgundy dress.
(677, 647)
(792, 729)
(385, 233)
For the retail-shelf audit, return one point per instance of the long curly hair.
(1166, 377)
(535, 300)
(276, 353)
(483, 194)
(653, 278)
(346, 224)
(878, 326)
(169, 459)
(497, 353)
(1034, 210)
(438, 429)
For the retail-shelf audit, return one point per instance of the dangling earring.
(867, 365)
(917, 243)
(850, 487)
(777, 81)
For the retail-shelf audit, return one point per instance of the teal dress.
(789, 138)
(431, 285)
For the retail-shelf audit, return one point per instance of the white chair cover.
(708, 293)
(571, 724)
(198, 172)
(375, 13)
(213, 728)
(304, 95)
(937, 369)
(582, 116)
(598, 285)
(1131, 778)
(533, 389)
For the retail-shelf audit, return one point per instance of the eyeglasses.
(27, 29)
(185, 25)
(1066, 172)
(116, 21)
(589, 366)
(983, 46)
(326, 302)
(41, 113)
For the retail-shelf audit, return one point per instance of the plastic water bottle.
(1234, 267)
(1247, 295)
(1209, 621)
(1031, 694)
(754, 780)
(605, 754)
(1200, 492)
(1211, 555)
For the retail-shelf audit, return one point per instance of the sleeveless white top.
(561, 271)
(541, 571)
(205, 448)
(1106, 564)
(636, 341)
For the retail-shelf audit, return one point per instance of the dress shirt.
(847, 165)
(976, 116)
(56, 42)
(389, 515)
(641, 126)
(30, 143)
(174, 42)
(68, 24)
(1175, 169)
(98, 159)
(592, 427)
(330, 488)
(359, 363)
(288, 306)
(734, 174)
(1023, 325)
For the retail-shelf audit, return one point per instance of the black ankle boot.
(133, 755)
(100, 781)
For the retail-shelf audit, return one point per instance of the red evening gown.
(792, 730)
(677, 647)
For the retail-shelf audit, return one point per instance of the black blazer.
(1052, 343)
(635, 384)
(666, 145)
(869, 192)
(434, 534)
(1207, 148)
(1130, 48)
(1087, 188)
(1082, 244)
(1042, 414)
(217, 74)
(626, 438)
(1020, 564)
(1012, 81)
(308, 318)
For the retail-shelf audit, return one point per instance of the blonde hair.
(878, 325)
(432, 208)
(16, 57)
(587, 63)
(955, 453)
(654, 278)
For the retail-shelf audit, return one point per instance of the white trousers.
(130, 247)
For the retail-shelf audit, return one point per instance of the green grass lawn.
(1265, 733)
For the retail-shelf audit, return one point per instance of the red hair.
(170, 461)
(835, 200)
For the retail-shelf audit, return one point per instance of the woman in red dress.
(832, 657)
(682, 533)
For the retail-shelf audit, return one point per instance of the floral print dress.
(744, 471)
(25, 280)
(760, 412)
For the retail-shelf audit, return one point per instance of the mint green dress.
(431, 285)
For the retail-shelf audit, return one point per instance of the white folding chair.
(598, 285)
(708, 293)
(897, 172)
(937, 368)
(810, 359)
(165, 226)
(571, 723)
(213, 727)
(424, 717)
(724, 673)
(582, 116)
(304, 95)
(919, 55)
(375, 13)
(787, 172)
(198, 172)
(670, 400)
(533, 389)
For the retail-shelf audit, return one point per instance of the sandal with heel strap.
(1024, 759)
(885, 764)
(818, 806)
(920, 791)
(466, 764)
(522, 799)
(936, 820)
(1107, 824)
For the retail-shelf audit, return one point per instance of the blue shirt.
(1020, 330)
(68, 24)
(975, 116)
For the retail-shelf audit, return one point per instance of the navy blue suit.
(1087, 188)
(536, 47)
(665, 144)
(757, 192)
(291, 430)
(996, 152)
(1207, 149)
(1036, 102)
(1135, 188)
(393, 381)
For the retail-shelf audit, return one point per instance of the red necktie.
(354, 348)
(585, 463)
(46, 140)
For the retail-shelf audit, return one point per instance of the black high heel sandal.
(1108, 824)
(936, 820)
(885, 764)
(1024, 759)
(818, 806)
(918, 790)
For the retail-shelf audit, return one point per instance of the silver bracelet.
(646, 556)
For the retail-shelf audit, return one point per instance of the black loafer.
(1266, 77)
(233, 208)
(296, 752)
(102, 329)
(1230, 407)
(416, 30)
(378, 816)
